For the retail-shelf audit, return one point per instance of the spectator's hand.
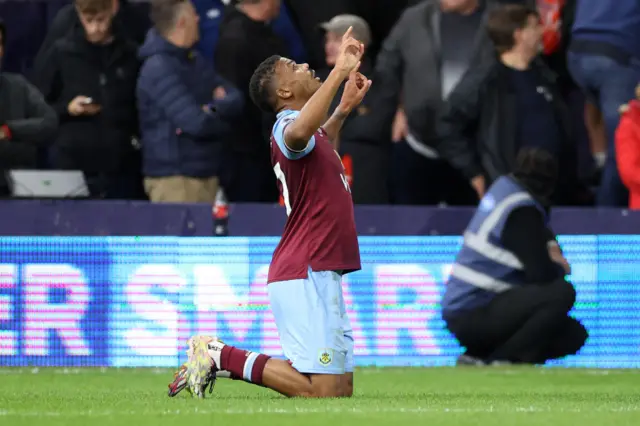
(92, 109)
(478, 183)
(219, 93)
(3, 134)
(556, 255)
(351, 51)
(79, 106)
(400, 128)
(354, 91)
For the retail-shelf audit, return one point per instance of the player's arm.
(334, 125)
(298, 133)
(354, 92)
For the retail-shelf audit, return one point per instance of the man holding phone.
(83, 105)
(90, 82)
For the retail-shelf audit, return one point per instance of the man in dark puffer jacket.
(184, 108)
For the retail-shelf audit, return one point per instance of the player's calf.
(228, 361)
(274, 374)
(240, 364)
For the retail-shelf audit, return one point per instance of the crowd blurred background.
(150, 100)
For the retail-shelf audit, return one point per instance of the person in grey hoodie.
(420, 63)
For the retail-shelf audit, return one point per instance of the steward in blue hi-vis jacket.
(507, 298)
(484, 267)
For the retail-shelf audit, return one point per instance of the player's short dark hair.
(261, 85)
(504, 21)
(164, 13)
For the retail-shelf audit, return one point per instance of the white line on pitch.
(327, 410)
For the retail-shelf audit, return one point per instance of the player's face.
(296, 80)
(332, 44)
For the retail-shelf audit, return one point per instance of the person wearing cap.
(363, 145)
(507, 299)
(335, 29)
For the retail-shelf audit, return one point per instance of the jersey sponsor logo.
(325, 357)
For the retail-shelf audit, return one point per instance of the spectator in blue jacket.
(184, 109)
(604, 59)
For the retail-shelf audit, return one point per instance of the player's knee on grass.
(327, 385)
(347, 385)
(280, 376)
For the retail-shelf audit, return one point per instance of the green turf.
(491, 396)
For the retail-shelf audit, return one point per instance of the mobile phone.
(87, 101)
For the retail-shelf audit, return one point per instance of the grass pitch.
(385, 396)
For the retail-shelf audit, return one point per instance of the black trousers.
(528, 324)
(116, 186)
(418, 180)
(248, 179)
(370, 171)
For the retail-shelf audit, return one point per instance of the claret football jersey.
(320, 231)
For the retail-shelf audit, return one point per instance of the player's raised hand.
(351, 51)
(354, 91)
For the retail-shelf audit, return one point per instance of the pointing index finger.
(347, 35)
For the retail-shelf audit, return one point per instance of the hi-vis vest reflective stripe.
(480, 243)
(484, 267)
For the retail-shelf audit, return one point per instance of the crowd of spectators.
(150, 100)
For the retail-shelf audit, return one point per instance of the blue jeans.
(608, 84)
